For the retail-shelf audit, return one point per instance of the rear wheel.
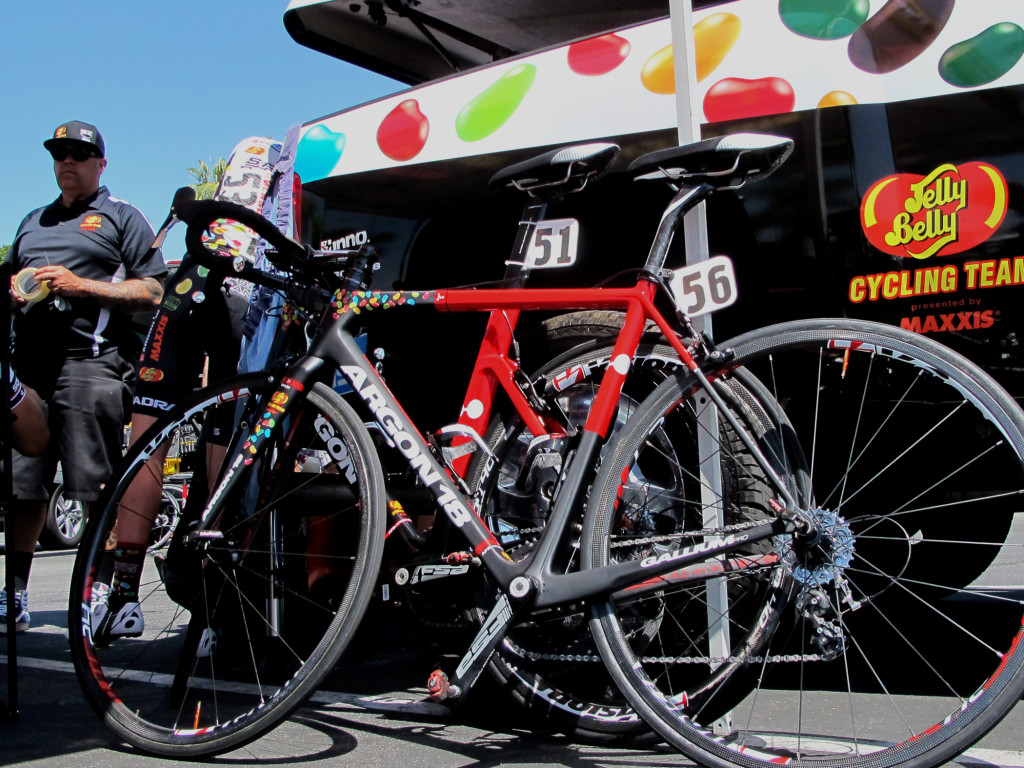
(883, 657)
(243, 620)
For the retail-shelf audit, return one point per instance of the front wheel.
(239, 621)
(879, 652)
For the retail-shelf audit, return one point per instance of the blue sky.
(167, 83)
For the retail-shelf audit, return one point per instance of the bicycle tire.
(550, 666)
(892, 662)
(213, 670)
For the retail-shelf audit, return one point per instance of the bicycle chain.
(724, 530)
(590, 658)
(776, 659)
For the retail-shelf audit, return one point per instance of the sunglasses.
(78, 153)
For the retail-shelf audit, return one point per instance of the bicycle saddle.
(725, 161)
(559, 171)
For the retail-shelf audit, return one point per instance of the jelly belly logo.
(952, 209)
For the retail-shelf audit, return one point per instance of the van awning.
(415, 41)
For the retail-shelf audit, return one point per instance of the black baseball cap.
(77, 131)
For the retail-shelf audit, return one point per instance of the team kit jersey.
(98, 238)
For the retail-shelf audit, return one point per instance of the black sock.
(127, 572)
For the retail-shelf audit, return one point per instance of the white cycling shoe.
(112, 621)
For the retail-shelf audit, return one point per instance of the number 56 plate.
(704, 287)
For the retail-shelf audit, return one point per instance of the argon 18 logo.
(952, 209)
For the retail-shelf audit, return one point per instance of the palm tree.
(206, 180)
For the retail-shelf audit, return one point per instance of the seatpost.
(516, 270)
(685, 199)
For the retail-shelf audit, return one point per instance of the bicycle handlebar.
(199, 214)
(288, 255)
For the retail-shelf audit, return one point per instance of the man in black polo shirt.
(73, 342)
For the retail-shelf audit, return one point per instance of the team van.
(902, 201)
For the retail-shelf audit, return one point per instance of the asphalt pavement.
(375, 714)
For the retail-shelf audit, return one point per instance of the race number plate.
(704, 287)
(554, 244)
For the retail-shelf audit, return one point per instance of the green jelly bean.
(984, 57)
(824, 19)
(489, 110)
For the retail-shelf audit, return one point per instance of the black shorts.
(199, 317)
(86, 414)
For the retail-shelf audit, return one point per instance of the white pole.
(695, 234)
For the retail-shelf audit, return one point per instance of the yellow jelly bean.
(713, 38)
(658, 74)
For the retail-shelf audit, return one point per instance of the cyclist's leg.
(234, 637)
(893, 660)
(169, 368)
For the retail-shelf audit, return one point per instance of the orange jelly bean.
(837, 99)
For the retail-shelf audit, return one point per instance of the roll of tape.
(26, 287)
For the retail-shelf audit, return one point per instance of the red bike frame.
(494, 368)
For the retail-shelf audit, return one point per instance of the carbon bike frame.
(532, 583)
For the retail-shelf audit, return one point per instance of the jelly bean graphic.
(824, 19)
(489, 110)
(836, 99)
(658, 74)
(984, 57)
(318, 152)
(403, 132)
(598, 55)
(713, 38)
(736, 97)
(898, 34)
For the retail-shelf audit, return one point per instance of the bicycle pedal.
(439, 688)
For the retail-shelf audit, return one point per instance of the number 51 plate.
(704, 287)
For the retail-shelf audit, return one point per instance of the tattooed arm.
(131, 295)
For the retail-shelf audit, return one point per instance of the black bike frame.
(532, 583)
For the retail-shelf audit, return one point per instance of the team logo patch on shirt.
(151, 374)
(91, 223)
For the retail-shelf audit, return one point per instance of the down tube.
(367, 383)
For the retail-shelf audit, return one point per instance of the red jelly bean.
(403, 132)
(735, 97)
(598, 55)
